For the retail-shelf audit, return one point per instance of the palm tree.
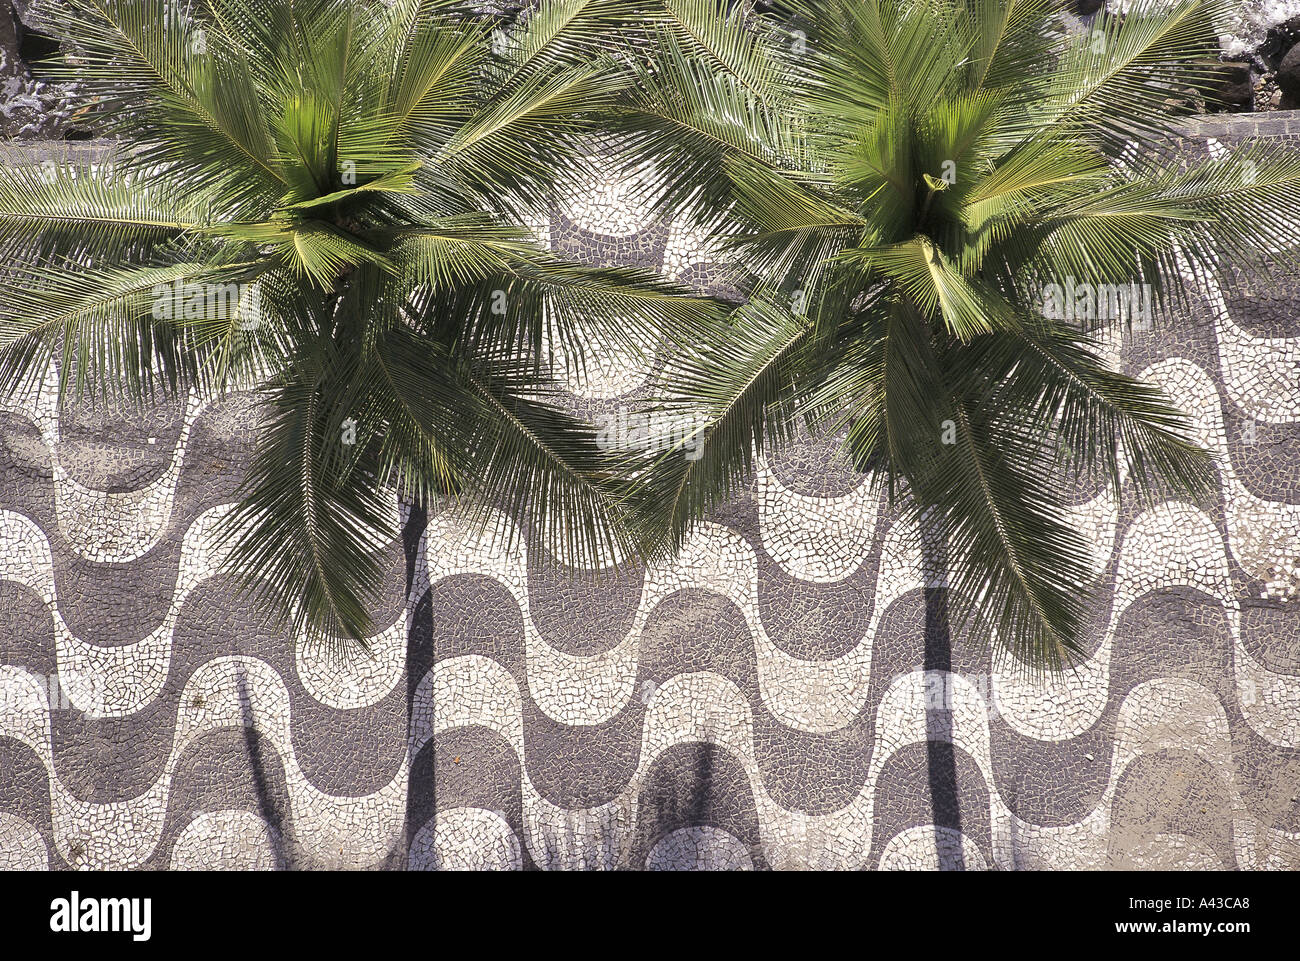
(331, 199)
(908, 189)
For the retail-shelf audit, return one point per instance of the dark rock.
(1234, 89)
(8, 33)
(1278, 41)
(1086, 8)
(1288, 73)
(34, 46)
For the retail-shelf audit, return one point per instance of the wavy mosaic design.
(762, 702)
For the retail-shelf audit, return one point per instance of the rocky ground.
(28, 107)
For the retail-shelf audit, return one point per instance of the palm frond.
(312, 519)
(729, 398)
(55, 210)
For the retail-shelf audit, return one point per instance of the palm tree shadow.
(940, 754)
(1018, 860)
(421, 787)
(700, 807)
(677, 799)
(269, 805)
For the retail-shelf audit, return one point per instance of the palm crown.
(330, 199)
(904, 186)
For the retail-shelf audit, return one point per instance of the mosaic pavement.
(763, 702)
